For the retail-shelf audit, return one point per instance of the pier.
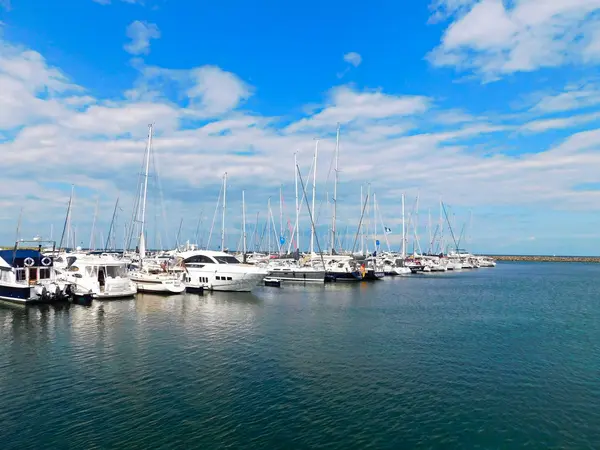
(541, 258)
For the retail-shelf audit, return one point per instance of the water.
(492, 358)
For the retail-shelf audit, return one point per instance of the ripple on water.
(500, 358)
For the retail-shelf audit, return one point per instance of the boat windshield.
(226, 260)
(116, 271)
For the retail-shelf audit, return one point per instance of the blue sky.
(492, 106)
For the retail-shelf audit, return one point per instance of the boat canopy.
(17, 258)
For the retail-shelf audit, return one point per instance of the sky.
(491, 106)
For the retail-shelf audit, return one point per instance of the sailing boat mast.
(112, 224)
(281, 233)
(142, 246)
(297, 205)
(314, 194)
(337, 154)
(244, 226)
(92, 240)
(224, 206)
(403, 230)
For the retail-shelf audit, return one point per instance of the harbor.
(41, 270)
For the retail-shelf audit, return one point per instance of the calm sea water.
(493, 358)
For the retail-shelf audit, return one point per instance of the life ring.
(46, 261)
(28, 262)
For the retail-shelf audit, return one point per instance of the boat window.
(71, 260)
(20, 273)
(44, 274)
(73, 269)
(227, 259)
(199, 259)
(115, 271)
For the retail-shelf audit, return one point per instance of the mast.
(224, 206)
(178, 233)
(112, 224)
(337, 155)
(92, 240)
(429, 226)
(362, 232)
(314, 194)
(244, 225)
(145, 194)
(280, 215)
(297, 205)
(375, 222)
(441, 225)
(403, 230)
(68, 224)
(268, 227)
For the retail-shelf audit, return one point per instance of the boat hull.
(343, 277)
(298, 276)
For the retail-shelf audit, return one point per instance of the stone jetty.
(578, 259)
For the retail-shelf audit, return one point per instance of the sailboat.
(151, 277)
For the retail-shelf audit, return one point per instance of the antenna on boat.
(178, 233)
(297, 225)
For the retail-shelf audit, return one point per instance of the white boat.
(156, 278)
(219, 271)
(27, 276)
(291, 271)
(103, 276)
(151, 276)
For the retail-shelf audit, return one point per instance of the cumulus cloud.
(353, 58)
(140, 33)
(54, 133)
(493, 38)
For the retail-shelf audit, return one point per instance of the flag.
(387, 230)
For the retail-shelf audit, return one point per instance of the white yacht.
(219, 271)
(101, 275)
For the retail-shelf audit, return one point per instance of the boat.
(289, 270)
(151, 276)
(28, 276)
(156, 280)
(371, 270)
(342, 269)
(101, 275)
(219, 271)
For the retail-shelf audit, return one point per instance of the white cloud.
(492, 37)
(554, 124)
(573, 97)
(353, 58)
(54, 133)
(216, 91)
(346, 105)
(140, 34)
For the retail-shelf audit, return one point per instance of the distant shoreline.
(577, 259)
